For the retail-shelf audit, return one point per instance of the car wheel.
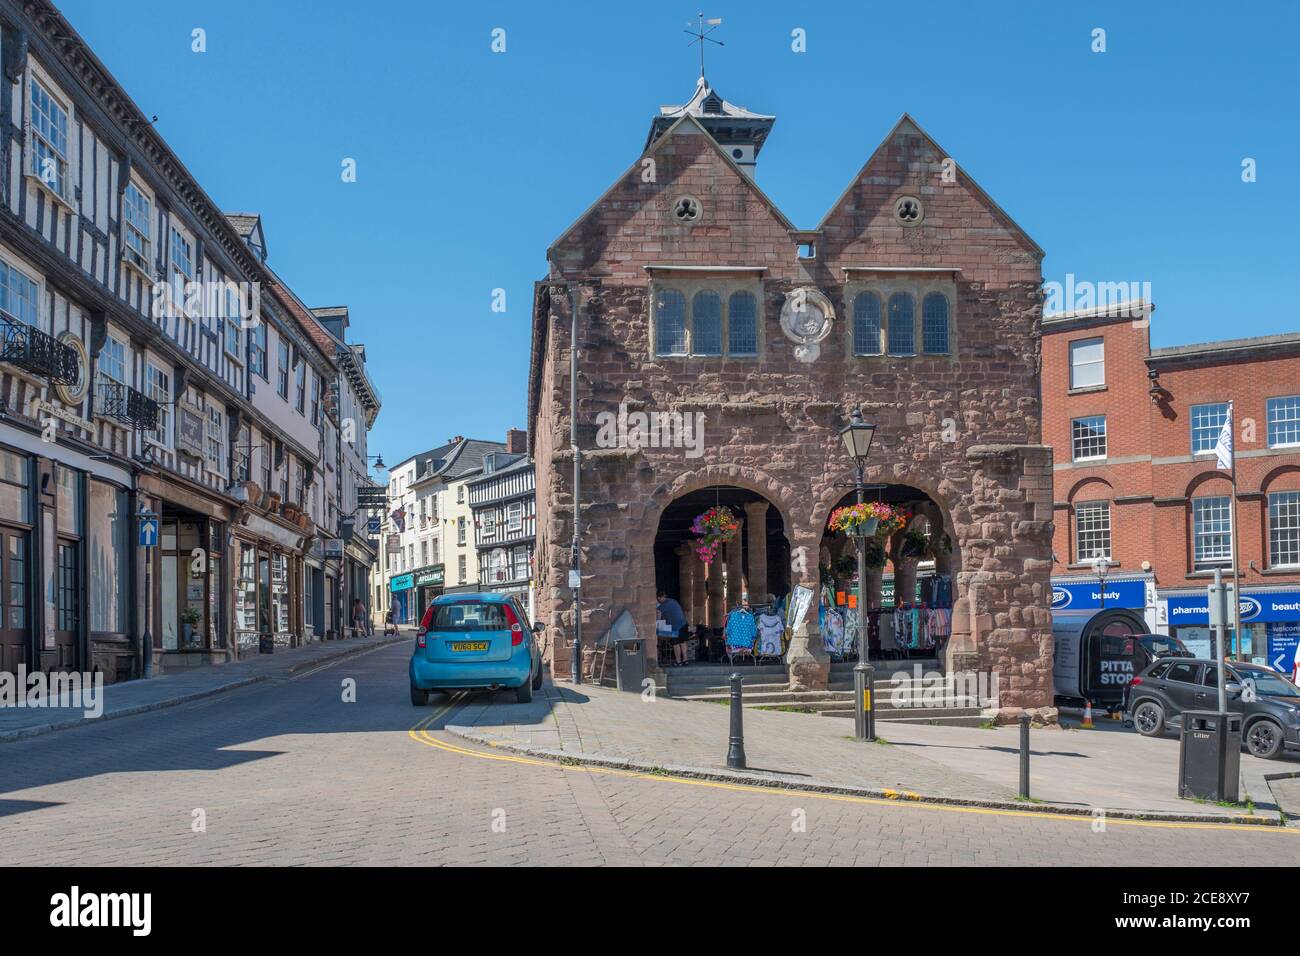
(419, 698)
(537, 680)
(1264, 739)
(1149, 719)
(524, 693)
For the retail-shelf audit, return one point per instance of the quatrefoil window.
(686, 209)
(907, 210)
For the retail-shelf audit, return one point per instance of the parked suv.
(1157, 698)
(475, 641)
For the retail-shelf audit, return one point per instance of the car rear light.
(425, 623)
(1135, 681)
(419, 638)
(516, 629)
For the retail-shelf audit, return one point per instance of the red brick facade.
(962, 427)
(1150, 474)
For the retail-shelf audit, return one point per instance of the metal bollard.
(736, 743)
(864, 701)
(1024, 756)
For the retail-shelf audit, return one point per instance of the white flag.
(1223, 449)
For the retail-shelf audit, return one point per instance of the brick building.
(916, 298)
(1134, 430)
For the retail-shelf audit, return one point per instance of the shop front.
(1270, 624)
(428, 583)
(187, 573)
(269, 585)
(401, 598)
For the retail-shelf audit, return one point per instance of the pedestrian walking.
(359, 618)
(390, 623)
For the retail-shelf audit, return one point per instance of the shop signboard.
(1087, 596)
(189, 430)
(394, 544)
(403, 582)
(333, 547)
(1265, 607)
(429, 577)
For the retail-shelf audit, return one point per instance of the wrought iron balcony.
(38, 352)
(124, 403)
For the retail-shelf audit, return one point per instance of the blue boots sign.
(1087, 595)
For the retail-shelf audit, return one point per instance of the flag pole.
(1232, 531)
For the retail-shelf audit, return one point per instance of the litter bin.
(1209, 756)
(629, 668)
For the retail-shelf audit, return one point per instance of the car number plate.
(469, 645)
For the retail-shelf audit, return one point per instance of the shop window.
(1207, 423)
(934, 324)
(1284, 421)
(1091, 530)
(15, 580)
(866, 324)
(1211, 531)
(68, 602)
(902, 319)
(1284, 529)
(108, 557)
(1088, 437)
(1087, 363)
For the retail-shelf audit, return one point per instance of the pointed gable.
(961, 226)
(631, 226)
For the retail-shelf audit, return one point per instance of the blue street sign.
(148, 532)
(372, 524)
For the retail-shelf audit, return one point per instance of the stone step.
(691, 692)
(948, 716)
(781, 696)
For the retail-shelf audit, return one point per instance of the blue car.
(475, 641)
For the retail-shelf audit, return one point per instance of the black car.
(1156, 698)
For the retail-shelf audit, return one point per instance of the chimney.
(517, 441)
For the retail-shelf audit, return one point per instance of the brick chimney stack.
(517, 441)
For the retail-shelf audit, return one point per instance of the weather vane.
(701, 36)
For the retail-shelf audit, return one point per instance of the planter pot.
(865, 529)
(905, 580)
(875, 578)
(271, 502)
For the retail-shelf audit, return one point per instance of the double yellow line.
(421, 733)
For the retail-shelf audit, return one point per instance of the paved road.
(287, 772)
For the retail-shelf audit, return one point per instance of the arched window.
(670, 323)
(866, 324)
(706, 321)
(902, 331)
(742, 324)
(934, 324)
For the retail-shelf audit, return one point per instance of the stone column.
(686, 564)
(808, 661)
(735, 570)
(756, 566)
(713, 604)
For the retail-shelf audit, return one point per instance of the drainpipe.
(575, 572)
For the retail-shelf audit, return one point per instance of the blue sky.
(1123, 165)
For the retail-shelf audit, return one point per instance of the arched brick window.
(866, 324)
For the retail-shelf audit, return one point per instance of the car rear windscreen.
(469, 616)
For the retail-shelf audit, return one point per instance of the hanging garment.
(943, 591)
(939, 622)
(850, 629)
(833, 631)
(888, 635)
(873, 633)
(770, 630)
(740, 629)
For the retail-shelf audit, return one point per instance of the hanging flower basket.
(870, 519)
(714, 528)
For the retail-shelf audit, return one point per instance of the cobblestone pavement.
(287, 772)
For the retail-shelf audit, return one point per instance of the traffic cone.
(1087, 716)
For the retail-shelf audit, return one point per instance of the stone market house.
(916, 298)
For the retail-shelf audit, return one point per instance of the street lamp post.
(1100, 565)
(857, 436)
